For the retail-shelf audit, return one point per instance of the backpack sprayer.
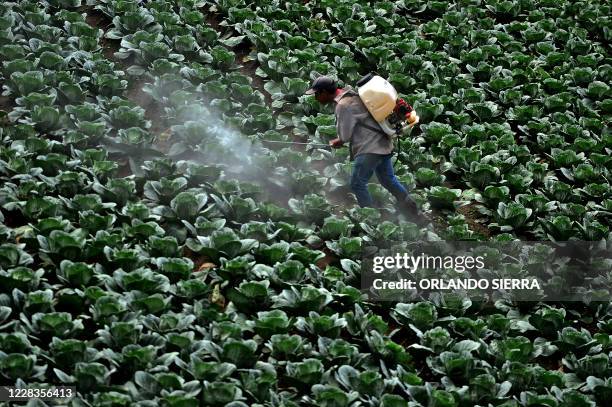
(393, 115)
(391, 112)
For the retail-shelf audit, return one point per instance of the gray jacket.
(350, 113)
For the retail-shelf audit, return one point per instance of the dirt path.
(472, 217)
(96, 18)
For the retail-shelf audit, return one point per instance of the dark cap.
(322, 83)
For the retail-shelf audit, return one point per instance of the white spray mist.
(243, 158)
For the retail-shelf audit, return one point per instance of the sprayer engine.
(403, 115)
(392, 113)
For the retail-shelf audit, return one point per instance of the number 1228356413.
(11, 393)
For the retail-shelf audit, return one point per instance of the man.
(370, 148)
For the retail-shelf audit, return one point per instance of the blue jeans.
(363, 168)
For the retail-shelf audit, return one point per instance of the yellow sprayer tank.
(379, 96)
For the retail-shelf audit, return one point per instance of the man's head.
(324, 89)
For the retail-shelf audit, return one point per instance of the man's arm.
(345, 122)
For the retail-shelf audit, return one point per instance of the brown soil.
(124, 168)
(199, 261)
(213, 19)
(470, 212)
(439, 221)
(98, 19)
(6, 103)
(553, 362)
(341, 199)
(471, 216)
(327, 260)
(14, 219)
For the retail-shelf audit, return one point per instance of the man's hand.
(336, 143)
